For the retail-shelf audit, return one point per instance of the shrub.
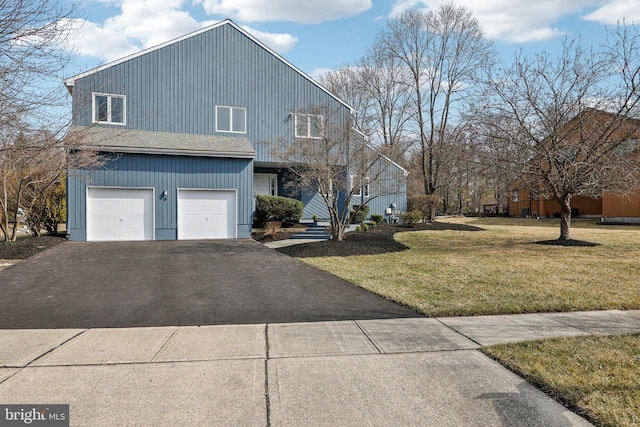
(359, 213)
(278, 208)
(358, 230)
(424, 203)
(365, 228)
(373, 225)
(49, 210)
(376, 218)
(410, 219)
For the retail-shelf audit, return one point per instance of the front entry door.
(265, 184)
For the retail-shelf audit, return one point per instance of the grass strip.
(597, 376)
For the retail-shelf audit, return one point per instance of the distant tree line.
(429, 90)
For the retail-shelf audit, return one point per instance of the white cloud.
(89, 39)
(513, 21)
(301, 11)
(281, 43)
(616, 11)
(146, 23)
(401, 5)
(151, 22)
(318, 73)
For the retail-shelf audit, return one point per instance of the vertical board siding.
(621, 205)
(176, 88)
(165, 173)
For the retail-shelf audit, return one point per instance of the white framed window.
(231, 119)
(515, 197)
(326, 191)
(309, 126)
(364, 191)
(109, 109)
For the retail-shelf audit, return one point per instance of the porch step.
(312, 233)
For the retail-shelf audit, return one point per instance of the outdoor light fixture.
(164, 195)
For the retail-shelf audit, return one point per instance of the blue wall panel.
(164, 173)
(176, 88)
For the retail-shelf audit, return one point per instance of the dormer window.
(109, 109)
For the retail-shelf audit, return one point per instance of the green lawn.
(599, 377)
(500, 270)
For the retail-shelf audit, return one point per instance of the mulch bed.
(25, 247)
(571, 242)
(285, 232)
(375, 241)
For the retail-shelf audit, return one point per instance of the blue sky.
(316, 35)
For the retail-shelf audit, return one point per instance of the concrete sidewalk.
(394, 372)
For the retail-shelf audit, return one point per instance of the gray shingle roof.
(122, 140)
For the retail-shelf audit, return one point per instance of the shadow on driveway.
(161, 283)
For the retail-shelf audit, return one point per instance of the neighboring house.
(189, 128)
(527, 203)
(621, 207)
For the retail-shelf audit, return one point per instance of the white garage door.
(120, 214)
(206, 214)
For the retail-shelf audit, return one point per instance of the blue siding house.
(188, 129)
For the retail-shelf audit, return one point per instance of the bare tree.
(34, 50)
(443, 52)
(331, 158)
(375, 88)
(31, 167)
(346, 83)
(563, 123)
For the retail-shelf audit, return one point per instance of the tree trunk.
(337, 227)
(565, 218)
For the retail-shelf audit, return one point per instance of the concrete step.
(311, 236)
(312, 233)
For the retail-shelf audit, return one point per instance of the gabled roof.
(121, 140)
(70, 82)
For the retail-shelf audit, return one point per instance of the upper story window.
(109, 109)
(231, 119)
(515, 196)
(309, 125)
(364, 191)
(326, 188)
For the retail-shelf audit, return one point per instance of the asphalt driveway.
(179, 283)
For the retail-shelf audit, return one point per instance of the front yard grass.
(598, 377)
(501, 270)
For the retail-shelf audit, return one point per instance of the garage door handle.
(206, 219)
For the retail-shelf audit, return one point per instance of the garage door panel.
(206, 214)
(120, 214)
